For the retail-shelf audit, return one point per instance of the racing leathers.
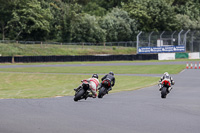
(111, 79)
(93, 84)
(167, 77)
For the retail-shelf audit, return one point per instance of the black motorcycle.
(83, 92)
(165, 88)
(103, 90)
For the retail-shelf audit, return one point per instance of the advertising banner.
(162, 49)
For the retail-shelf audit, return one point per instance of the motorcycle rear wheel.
(79, 94)
(101, 92)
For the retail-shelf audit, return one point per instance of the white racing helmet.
(166, 74)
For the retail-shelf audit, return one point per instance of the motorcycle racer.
(110, 78)
(93, 84)
(168, 77)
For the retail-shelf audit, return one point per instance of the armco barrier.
(18, 59)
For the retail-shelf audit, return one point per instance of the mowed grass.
(14, 85)
(132, 69)
(53, 49)
(42, 82)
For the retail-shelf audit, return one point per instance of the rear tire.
(79, 94)
(101, 92)
(164, 92)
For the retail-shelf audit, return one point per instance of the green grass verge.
(14, 85)
(40, 83)
(141, 69)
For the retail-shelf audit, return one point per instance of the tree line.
(94, 20)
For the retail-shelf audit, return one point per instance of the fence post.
(150, 38)
(185, 38)
(172, 36)
(192, 42)
(138, 40)
(161, 37)
(179, 37)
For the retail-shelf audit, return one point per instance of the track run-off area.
(138, 111)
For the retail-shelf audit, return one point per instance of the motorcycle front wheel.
(164, 92)
(79, 94)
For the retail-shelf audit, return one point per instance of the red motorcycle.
(165, 87)
(103, 90)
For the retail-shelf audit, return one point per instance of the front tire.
(79, 94)
(164, 92)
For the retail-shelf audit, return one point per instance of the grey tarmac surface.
(140, 111)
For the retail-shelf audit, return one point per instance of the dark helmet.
(95, 76)
(111, 73)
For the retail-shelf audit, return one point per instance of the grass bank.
(14, 85)
(53, 49)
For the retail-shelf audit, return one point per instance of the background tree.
(186, 23)
(6, 9)
(85, 28)
(152, 14)
(54, 20)
(93, 8)
(55, 7)
(189, 8)
(118, 26)
(29, 21)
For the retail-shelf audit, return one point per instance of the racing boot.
(86, 97)
(90, 95)
(160, 87)
(76, 89)
(169, 89)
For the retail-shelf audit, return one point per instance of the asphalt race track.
(140, 111)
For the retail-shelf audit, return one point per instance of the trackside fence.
(168, 41)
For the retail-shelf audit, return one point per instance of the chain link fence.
(190, 40)
(187, 38)
(193, 41)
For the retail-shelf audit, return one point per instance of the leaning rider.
(93, 84)
(109, 77)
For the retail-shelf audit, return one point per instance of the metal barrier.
(188, 39)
